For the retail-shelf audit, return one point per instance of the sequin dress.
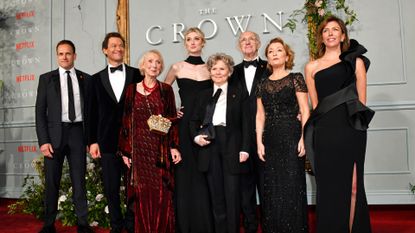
(285, 202)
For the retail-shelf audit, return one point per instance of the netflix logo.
(25, 45)
(25, 14)
(25, 77)
(27, 148)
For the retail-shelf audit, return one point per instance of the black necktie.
(249, 63)
(210, 108)
(71, 102)
(113, 69)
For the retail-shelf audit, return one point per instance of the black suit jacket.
(49, 106)
(105, 111)
(236, 127)
(239, 76)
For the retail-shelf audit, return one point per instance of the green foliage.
(31, 201)
(412, 187)
(313, 13)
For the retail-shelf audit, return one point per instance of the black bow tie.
(248, 63)
(113, 69)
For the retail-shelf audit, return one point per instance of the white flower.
(321, 12)
(318, 3)
(90, 166)
(99, 197)
(106, 210)
(62, 198)
(93, 224)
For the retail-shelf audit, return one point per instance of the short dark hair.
(68, 42)
(110, 35)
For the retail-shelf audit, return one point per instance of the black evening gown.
(337, 147)
(284, 198)
(192, 194)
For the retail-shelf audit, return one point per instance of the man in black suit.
(223, 158)
(106, 109)
(249, 73)
(60, 128)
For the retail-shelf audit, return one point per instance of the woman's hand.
(180, 113)
(127, 161)
(175, 155)
(301, 147)
(261, 151)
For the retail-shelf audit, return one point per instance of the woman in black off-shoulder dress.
(335, 134)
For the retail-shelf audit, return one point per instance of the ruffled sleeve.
(355, 50)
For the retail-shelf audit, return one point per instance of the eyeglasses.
(245, 40)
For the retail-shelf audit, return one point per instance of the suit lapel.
(258, 75)
(80, 78)
(57, 83)
(241, 75)
(105, 79)
(128, 79)
(230, 101)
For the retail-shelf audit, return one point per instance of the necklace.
(149, 89)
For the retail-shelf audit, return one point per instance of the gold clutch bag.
(158, 124)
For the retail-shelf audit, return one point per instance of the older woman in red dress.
(150, 156)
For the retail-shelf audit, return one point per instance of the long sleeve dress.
(150, 181)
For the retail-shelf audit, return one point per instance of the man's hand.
(47, 150)
(94, 151)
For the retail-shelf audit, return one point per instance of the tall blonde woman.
(192, 196)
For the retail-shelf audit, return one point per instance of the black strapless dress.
(338, 145)
(192, 195)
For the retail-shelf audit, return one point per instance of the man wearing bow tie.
(249, 73)
(61, 130)
(106, 109)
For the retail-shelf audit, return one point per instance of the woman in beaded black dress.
(335, 134)
(193, 212)
(280, 142)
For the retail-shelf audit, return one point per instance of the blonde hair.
(145, 55)
(196, 30)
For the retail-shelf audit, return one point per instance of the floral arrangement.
(313, 13)
(31, 201)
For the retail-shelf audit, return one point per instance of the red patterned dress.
(150, 181)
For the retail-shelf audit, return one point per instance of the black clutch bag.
(208, 130)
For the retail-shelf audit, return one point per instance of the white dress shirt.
(250, 75)
(64, 95)
(117, 80)
(219, 116)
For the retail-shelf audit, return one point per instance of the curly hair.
(213, 59)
